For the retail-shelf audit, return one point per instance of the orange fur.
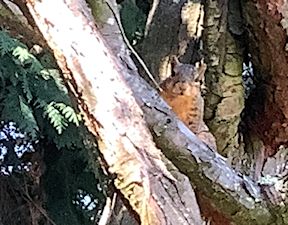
(183, 93)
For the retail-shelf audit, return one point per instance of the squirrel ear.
(175, 65)
(200, 68)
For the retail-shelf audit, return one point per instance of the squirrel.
(183, 92)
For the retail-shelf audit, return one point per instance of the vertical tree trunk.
(225, 98)
(267, 23)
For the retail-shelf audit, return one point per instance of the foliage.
(68, 183)
(133, 20)
(34, 96)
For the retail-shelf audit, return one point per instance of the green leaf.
(7, 44)
(56, 118)
(29, 123)
(35, 97)
(26, 88)
(22, 55)
(15, 109)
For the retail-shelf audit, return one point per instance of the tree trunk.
(268, 42)
(225, 99)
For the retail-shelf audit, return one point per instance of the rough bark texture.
(228, 191)
(225, 98)
(113, 116)
(266, 108)
(179, 34)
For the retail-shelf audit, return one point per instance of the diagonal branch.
(112, 114)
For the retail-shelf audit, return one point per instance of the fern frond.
(56, 118)
(58, 80)
(7, 44)
(61, 106)
(29, 124)
(15, 109)
(26, 88)
(23, 55)
(39, 103)
(35, 67)
(69, 113)
(10, 71)
(68, 139)
(34, 92)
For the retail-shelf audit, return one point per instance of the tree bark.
(174, 26)
(177, 29)
(268, 30)
(225, 98)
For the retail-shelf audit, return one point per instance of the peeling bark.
(180, 35)
(225, 99)
(175, 153)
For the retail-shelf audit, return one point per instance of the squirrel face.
(183, 93)
(185, 77)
